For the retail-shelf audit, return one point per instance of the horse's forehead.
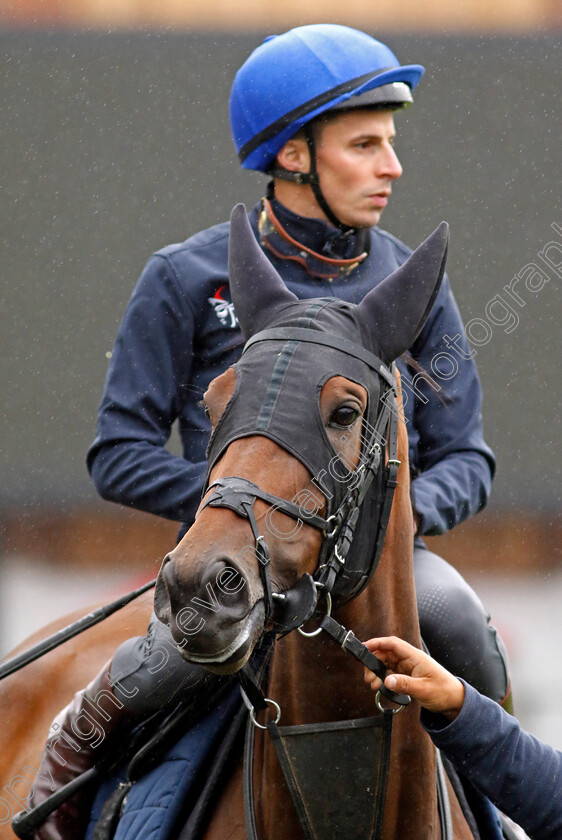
(331, 315)
(291, 370)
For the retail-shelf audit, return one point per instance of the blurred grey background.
(114, 145)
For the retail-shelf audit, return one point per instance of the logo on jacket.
(224, 309)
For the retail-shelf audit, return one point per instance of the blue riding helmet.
(292, 78)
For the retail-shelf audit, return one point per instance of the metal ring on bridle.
(332, 533)
(381, 707)
(277, 716)
(319, 629)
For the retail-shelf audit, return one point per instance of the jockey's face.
(356, 164)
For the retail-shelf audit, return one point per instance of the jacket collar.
(321, 249)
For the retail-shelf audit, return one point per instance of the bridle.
(338, 527)
(291, 609)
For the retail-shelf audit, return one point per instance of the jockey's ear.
(256, 288)
(395, 311)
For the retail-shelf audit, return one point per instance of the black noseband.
(295, 607)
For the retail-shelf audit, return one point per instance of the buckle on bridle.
(328, 612)
(331, 534)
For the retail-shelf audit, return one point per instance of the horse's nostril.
(174, 588)
(224, 591)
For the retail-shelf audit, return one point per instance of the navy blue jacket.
(180, 331)
(518, 773)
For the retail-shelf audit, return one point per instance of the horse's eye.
(344, 416)
(206, 412)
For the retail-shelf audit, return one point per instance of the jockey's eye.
(344, 416)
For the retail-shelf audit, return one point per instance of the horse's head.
(298, 425)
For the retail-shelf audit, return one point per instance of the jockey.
(313, 109)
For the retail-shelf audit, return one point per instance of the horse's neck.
(314, 680)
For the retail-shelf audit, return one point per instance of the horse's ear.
(257, 289)
(396, 310)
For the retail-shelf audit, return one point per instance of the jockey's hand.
(417, 674)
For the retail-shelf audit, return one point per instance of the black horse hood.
(277, 391)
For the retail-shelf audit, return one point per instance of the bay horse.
(284, 460)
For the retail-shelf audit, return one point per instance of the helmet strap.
(315, 182)
(311, 177)
(287, 175)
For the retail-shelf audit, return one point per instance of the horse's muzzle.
(213, 617)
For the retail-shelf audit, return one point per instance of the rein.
(21, 660)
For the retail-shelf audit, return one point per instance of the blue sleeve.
(518, 773)
(151, 359)
(455, 464)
